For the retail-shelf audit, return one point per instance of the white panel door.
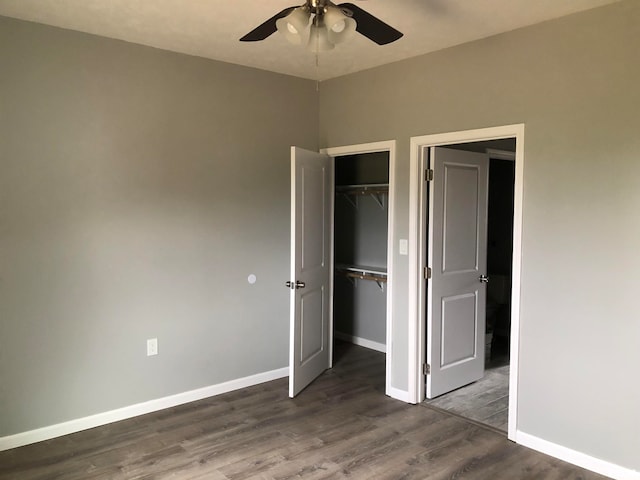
(457, 254)
(311, 269)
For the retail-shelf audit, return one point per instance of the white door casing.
(417, 255)
(457, 255)
(311, 267)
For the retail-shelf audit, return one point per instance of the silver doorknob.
(296, 285)
(484, 279)
(299, 284)
(289, 284)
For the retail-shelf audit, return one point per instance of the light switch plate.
(404, 246)
(152, 347)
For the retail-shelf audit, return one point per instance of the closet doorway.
(363, 253)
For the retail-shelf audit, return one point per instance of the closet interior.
(360, 246)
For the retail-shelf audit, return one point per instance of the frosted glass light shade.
(294, 25)
(339, 26)
(319, 38)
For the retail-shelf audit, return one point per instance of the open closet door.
(457, 254)
(311, 269)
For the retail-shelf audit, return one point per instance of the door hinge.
(428, 175)
(426, 369)
(427, 273)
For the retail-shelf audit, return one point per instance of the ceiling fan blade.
(372, 27)
(267, 28)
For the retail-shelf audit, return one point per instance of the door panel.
(459, 245)
(458, 334)
(312, 203)
(456, 298)
(311, 330)
(311, 269)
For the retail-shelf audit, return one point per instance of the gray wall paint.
(134, 194)
(138, 190)
(360, 309)
(574, 83)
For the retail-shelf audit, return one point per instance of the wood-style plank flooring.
(485, 401)
(342, 426)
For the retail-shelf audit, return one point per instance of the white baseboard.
(576, 458)
(363, 342)
(77, 425)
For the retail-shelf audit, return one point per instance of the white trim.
(577, 458)
(372, 147)
(79, 424)
(415, 305)
(516, 274)
(363, 342)
(416, 308)
(385, 146)
(332, 252)
(398, 394)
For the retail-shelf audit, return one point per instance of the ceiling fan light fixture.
(294, 25)
(319, 37)
(339, 22)
(340, 27)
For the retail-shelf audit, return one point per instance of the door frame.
(384, 146)
(417, 242)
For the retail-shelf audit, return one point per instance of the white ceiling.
(211, 28)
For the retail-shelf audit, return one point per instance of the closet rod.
(353, 274)
(375, 190)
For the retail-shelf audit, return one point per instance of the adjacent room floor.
(487, 400)
(341, 426)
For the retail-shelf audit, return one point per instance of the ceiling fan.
(330, 24)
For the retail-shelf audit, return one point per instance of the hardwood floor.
(342, 426)
(485, 401)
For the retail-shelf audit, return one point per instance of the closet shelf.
(358, 272)
(375, 190)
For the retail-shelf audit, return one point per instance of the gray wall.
(138, 190)
(574, 83)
